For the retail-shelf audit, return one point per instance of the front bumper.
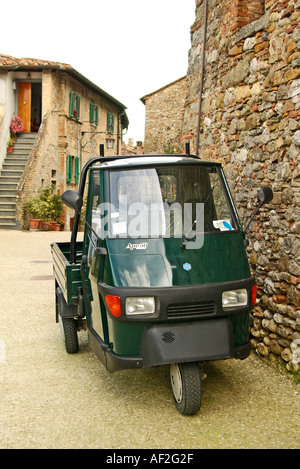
(189, 325)
(177, 343)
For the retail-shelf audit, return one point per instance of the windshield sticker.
(223, 225)
(132, 246)
(119, 228)
(186, 266)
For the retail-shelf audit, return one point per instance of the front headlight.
(234, 298)
(139, 305)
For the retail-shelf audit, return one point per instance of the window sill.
(78, 121)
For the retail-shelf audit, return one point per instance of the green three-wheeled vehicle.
(162, 276)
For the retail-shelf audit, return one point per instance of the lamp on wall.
(110, 143)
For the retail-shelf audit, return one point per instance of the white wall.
(7, 105)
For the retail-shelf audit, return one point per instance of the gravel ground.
(49, 399)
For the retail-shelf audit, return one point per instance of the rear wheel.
(68, 328)
(186, 387)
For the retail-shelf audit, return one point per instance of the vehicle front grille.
(191, 310)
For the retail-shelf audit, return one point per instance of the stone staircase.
(12, 170)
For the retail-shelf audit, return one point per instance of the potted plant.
(57, 209)
(16, 126)
(33, 208)
(52, 206)
(61, 223)
(45, 216)
(10, 145)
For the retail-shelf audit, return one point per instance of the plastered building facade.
(69, 116)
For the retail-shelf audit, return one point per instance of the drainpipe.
(202, 76)
(119, 131)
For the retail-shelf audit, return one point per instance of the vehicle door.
(96, 317)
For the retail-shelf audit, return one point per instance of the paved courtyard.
(49, 399)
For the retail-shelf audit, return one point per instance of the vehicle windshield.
(167, 201)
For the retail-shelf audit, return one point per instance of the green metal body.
(66, 274)
(155, 270)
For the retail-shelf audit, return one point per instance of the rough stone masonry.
(250, 121)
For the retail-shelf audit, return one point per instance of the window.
(168, 202)
(93, 114)
(72, 168)
(110, 122)
(74, 105)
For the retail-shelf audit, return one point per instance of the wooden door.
(24, 105)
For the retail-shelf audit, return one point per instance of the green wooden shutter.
(72, 97)
(110, 122)
(78, 107)
(77, 169)
(97, 115)
(69, 168)
(91, 112)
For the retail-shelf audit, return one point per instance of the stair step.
(7, 205)
(9, 179)
(8, 192)
(23, 144)
(16, 158)
(15, 174)
(8, 201)
(25, 153)
(7, 219)
(8, 226)
(8, 185)
(11, 172)
(26, 138)
(5, 212)
(13, 167)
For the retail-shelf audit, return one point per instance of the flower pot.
(57, 227)
(34, 224)
(45, 225)
(10, 149)
(52, 225)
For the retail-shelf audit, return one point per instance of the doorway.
(30, 105)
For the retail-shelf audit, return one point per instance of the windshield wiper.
(187, 237)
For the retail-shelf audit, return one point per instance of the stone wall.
(250, 122)
(164, 117)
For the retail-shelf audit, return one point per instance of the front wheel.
(186, 387)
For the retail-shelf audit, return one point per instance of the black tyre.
(68, 327)
(186, 387)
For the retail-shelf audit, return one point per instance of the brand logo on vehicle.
(132, 246)
(186, 266)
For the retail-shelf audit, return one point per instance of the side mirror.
(72, 199)
(264, 196)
